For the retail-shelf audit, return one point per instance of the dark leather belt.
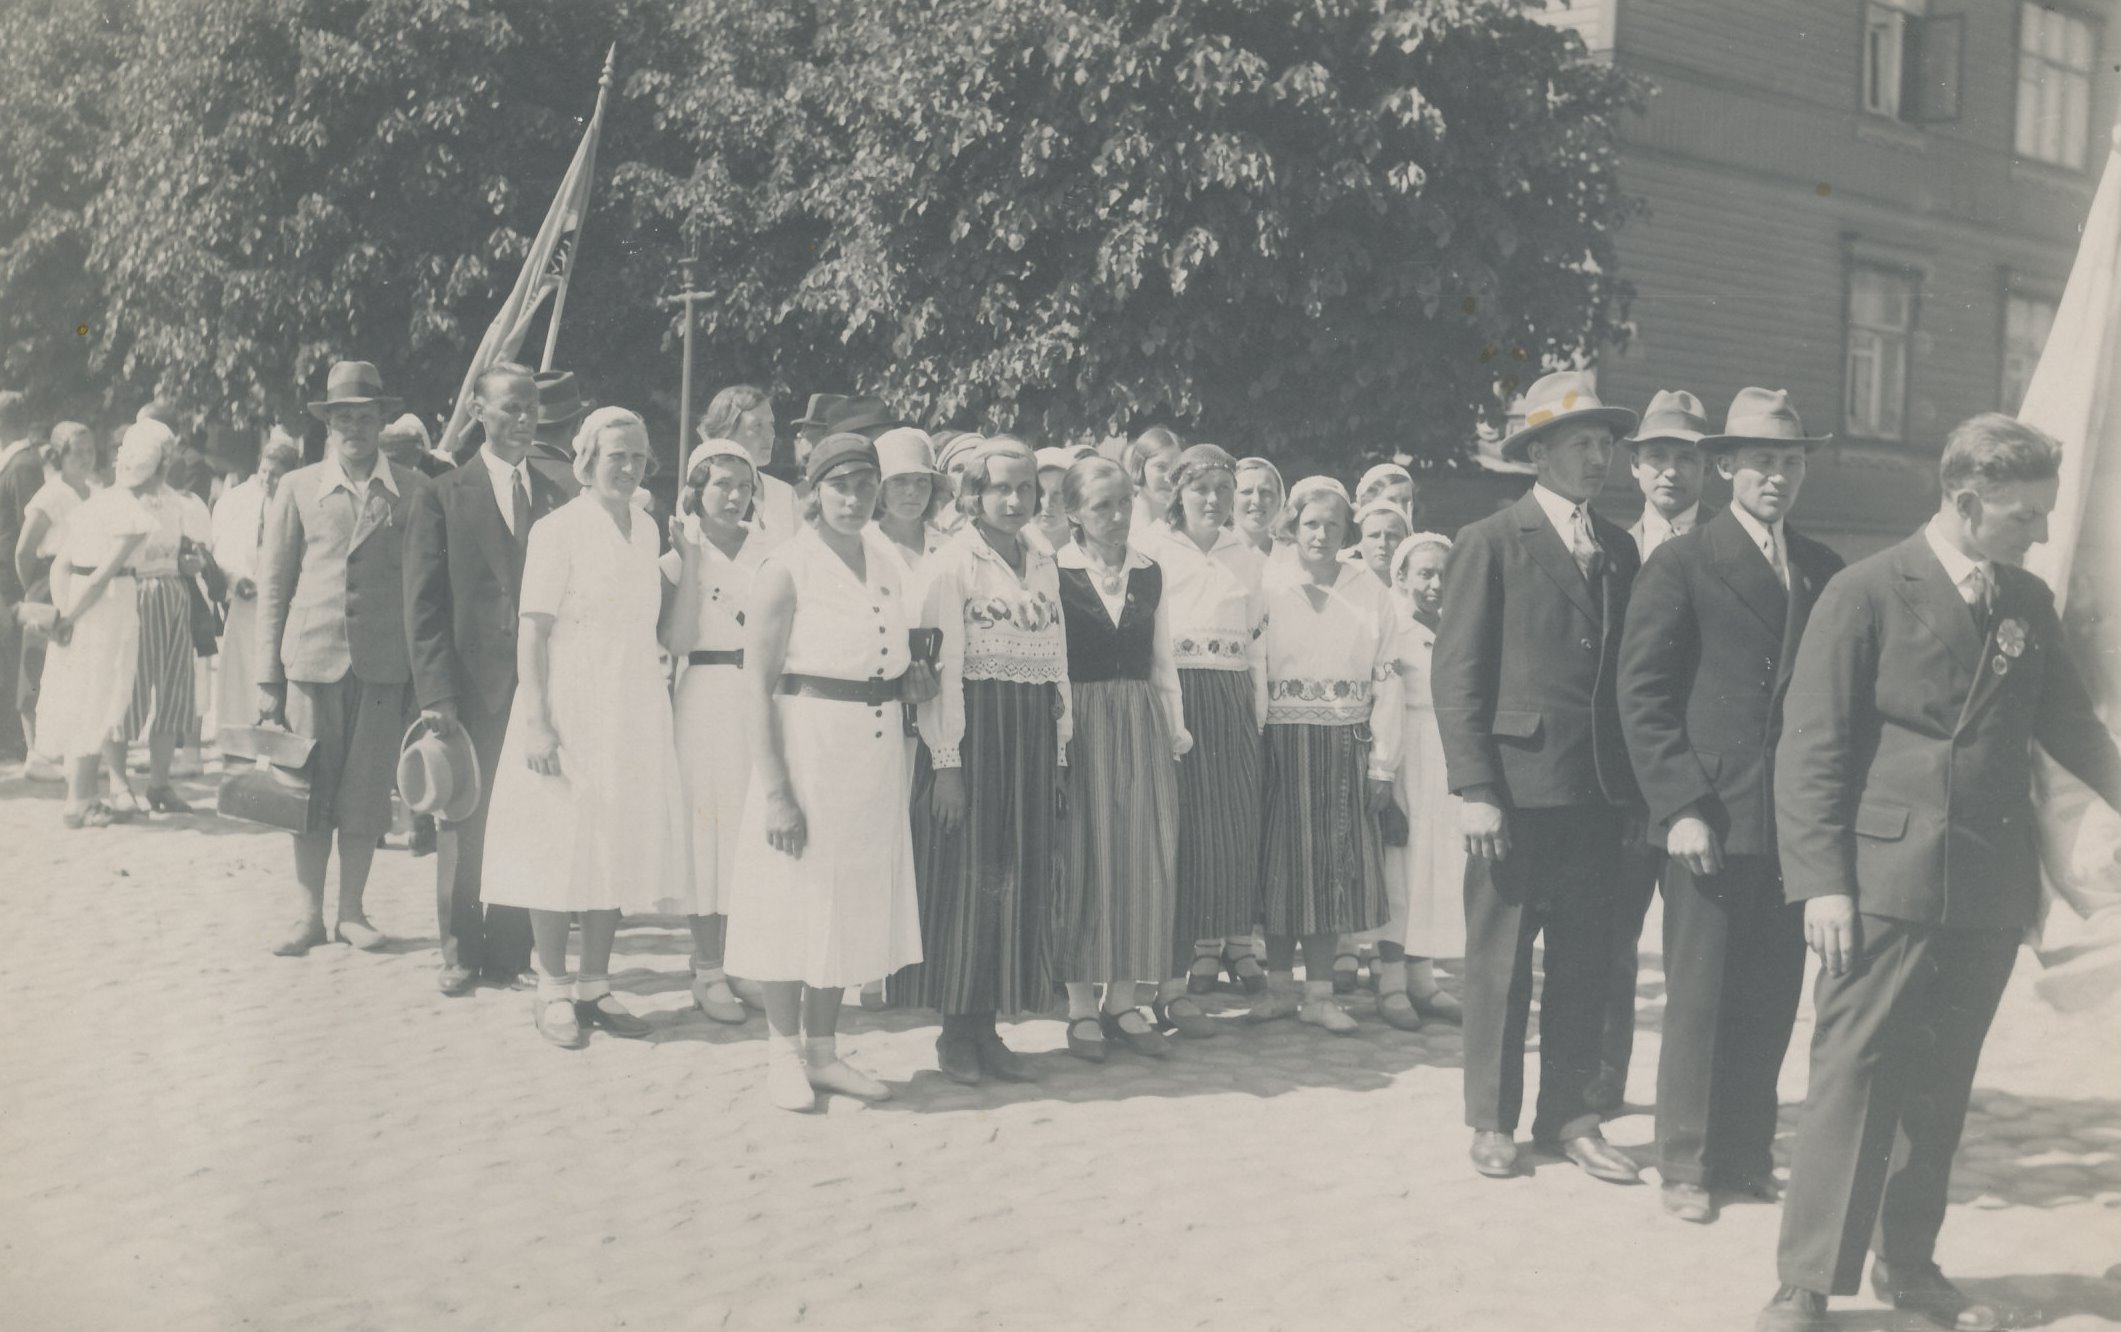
(89, 571)
(716, 657)
(868, 693)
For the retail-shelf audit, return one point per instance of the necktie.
(375, 512)
(1980, 594)
(1584, 546)
(1775, 559)
(519, 508)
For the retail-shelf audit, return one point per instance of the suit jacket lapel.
(1804, 590)
(1929, 593)
(489, 528)
(1747, 573)
(1551, 553)
(1987, 679)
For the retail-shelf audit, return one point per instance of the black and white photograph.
(984, 665)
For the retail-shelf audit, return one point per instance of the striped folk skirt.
(1323, 862)
(1218, 801)
(1119, 881)
(165, 694)
(989, 892)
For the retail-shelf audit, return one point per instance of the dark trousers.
(1897, 1041)
(12, 744)
(1733, 968)
(1557, 881)
(494, 940)
(1640, 865)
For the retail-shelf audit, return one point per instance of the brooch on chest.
(2011, 641)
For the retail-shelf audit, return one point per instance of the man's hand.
(441, 718)
(272, 705)
(1484, 825)
(1060, 796)
(1693, 844)
(1830, 930)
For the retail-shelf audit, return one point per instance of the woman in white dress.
(71, 456)
(95, 647)
(823, 894)
(713, 558)
(589, 813)
(744, 413)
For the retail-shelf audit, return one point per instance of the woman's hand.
(948, 799)
(244, 589)
(541, 748)
(920, 683)
(786, 831)
(1380, 797)
(191, 560)
(1060, 795)
(1181, 744)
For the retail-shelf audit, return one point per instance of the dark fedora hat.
(824, 408)
(560, 400)
(864, 416)
(352, 383)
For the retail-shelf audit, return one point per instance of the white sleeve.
(942, 718)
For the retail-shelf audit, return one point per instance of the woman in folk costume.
(1212, 589)
(1332, 747)
(589, 808)
(1150, 458)
(824, 892)
(1380, 526)
(1119, 883)
(987, 819)
(1260, 493)
(1424, 877)
(713, 559)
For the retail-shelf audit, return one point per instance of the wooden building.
(1870, 203)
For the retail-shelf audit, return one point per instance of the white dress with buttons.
(714, 747)
(844, 912)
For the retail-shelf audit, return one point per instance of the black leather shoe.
(1793, 1309)
(998, 1061)
(1600, 1159)
(1493, 1154)
(607, 1012)
(957, 1058)
(1921, 1288)
(456, 982)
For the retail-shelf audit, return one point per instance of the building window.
(1885, 29)
(2027, 320)
(2055, 54)
(1911, 61)
(1881, 320)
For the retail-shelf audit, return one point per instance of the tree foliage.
(1336, 225)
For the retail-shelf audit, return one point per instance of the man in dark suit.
(1665, 457)
(1713, 628)
(1903, 788)
(561, 408)
(1533, 603)
(463, 573)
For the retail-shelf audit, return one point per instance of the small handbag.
(275, 789)
(1392, 826)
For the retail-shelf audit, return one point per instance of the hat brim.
(322, 410)
(1666, 437)
(1619, 419)
(865, 421)
(1718, 443)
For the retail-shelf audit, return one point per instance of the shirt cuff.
(944, 758)
(1377, 776)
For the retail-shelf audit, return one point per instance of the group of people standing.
(984, 729)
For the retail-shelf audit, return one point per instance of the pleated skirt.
(165, 694)
(1119, 878)
(1219, 803)
(1323, 863)
(989, 892)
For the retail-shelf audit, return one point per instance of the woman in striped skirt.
(1332, 742)
(165, 704)
(1212, 589)
(1119, 884)
(985, 816)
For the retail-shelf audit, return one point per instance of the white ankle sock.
(1318, 989)
(1082, 1000)
(591, 986)
(1119, 997)
(707, 973)
(556, 987)
(821, 1051)
(1421, 976)
(1392, 977)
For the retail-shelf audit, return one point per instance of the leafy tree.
(1329, 225)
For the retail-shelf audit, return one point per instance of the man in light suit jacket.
(331, 657)
(1903, 787)
(1533, 602)
(1713, 628)
(463, 573)
(1665, 457)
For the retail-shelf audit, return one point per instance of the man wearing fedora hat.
(1665, 457)
(1712, 634)
(464, 552)
(1523, 680)
(1906, 825)
(332, 662)
(815, 423)
(561, 407)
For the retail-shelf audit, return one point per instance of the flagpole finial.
(610, 57)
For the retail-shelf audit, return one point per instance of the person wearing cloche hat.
(915, 491)
(1527, 643)
(1666, 459)
(1714, 623)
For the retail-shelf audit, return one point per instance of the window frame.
(2027, 287)
(2095, 40)
(1912, 275)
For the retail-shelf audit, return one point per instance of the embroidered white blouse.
(1336, 662)
(1217, 605)
(995, 626)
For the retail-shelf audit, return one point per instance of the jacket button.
(1589, 646)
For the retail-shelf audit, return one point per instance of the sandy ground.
(199, 1135)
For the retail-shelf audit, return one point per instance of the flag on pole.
(2075, 395)
(546, 270)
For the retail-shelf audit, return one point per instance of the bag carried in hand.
(275, 790)
(1392, 827)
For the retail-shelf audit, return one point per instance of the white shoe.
(38, 768)
(1327, 1014)
(749, 992)
(841, 1077)
(1274, 1004)
(717, 1000)
(788, 1083)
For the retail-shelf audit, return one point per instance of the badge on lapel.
(2010, 636)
